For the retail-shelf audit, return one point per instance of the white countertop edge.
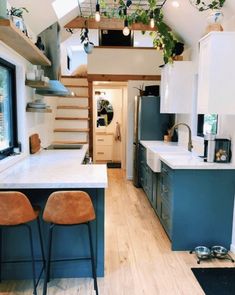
(198, 166)
(53, 186)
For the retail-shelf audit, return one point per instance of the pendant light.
(126, 30)
(97, 12)
(152, 22)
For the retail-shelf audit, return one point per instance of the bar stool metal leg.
(47, 273)
(41, 240)
(93, 264)
(33, 260)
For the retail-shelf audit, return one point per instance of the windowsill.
(10, 161)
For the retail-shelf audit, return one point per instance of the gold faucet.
(190, 145)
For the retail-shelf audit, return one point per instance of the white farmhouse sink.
(154, 155)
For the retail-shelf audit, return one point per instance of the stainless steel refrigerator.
(149, 124)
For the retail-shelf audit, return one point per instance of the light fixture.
(126, 30)
(175, 4)
(152, 22)
(97, 12)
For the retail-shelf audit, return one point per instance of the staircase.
(72, 124)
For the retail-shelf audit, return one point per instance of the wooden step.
(76, 96)
(71, 130)
(75, 86)
(72, 118)
(69, 142)
(72, 108)
(74, 77)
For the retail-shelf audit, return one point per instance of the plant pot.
(19, 23)
(214, 20)
(3, 9)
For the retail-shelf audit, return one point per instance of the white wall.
(124, 61)
(28, 123)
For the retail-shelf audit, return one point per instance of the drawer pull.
(164, 188)
(164, 170)
(100, 153)
(100, 139)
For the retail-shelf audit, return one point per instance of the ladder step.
(73, 77)
(75, 86)
(72, 108)
(71, 130)
(69, 142)
(76, 96)
(72, 118)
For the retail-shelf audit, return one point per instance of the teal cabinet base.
(202, 212)
(68, 242)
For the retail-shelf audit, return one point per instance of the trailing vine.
(163, 37)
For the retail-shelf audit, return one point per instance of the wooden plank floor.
(138, 256)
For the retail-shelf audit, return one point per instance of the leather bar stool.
(17, 211)
(69, 208)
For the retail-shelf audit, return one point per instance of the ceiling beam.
(105, 24)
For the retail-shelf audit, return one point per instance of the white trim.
(232, 248)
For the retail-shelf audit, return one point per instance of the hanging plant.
(163, 37)
(202, 5)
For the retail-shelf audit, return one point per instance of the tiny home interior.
(113, 102)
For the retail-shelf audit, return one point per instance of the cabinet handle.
(165, 216)
(164, 189)
(165, 170)
(100, 140)
(100, 153)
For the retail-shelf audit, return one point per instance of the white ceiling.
(186, 20)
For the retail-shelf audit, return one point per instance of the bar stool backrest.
(15, 208)
(69, 207)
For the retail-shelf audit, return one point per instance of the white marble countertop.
(180, 158)
(54, 169)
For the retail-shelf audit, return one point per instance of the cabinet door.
(142, 166)
(149, 184)
(216, 88)
(177, 87)
(166, 218)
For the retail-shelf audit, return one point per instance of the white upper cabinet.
(177, 86)
(216, 74)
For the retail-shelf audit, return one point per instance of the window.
(8, 118)
(207, 124)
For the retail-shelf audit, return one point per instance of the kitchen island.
(193, 199)
(38, 176)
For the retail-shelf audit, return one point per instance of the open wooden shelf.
(36, 84)
(34, 110)
(14, 38)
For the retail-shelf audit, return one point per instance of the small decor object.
(39, 44)
(16, 14)
(87, 45)
(141, 89)
(215, 16)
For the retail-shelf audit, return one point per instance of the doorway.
(109, 117)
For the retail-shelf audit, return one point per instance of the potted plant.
(215, 16)
(16, 14)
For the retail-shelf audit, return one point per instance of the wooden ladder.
(73, 121)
